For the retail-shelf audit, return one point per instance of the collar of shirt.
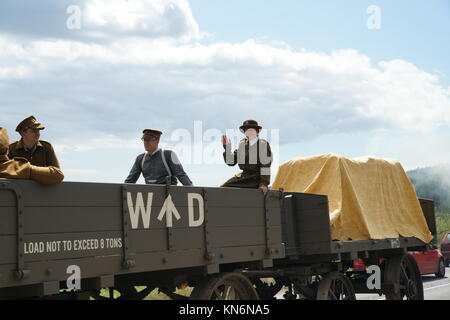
(154, 152)
(30, 150)
(252, 142)
(21, 145)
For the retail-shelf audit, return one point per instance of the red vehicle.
(445, 248)
(429, 262)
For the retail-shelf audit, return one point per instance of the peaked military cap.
(4, 139)
(152, 132)
(29, 122)
(250, 124)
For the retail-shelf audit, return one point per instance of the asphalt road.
(434, 289)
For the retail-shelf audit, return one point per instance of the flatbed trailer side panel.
(116, 229)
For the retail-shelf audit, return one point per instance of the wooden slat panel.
(76, 219)
(8, 246)
(306, 223)
(240, 198)
(7, 198)
(315, 248)
(73, 194)
(76, 194)
(8, 220)
(307, 201)
(55, 270)
(68, 245)
(243, 236)
(156, 240)
(62, 219)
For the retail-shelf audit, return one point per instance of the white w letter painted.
(135, 211)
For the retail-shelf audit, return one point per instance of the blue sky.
(310, 70)
(414, 30)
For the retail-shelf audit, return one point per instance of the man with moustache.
(20, 168)
(37, 152)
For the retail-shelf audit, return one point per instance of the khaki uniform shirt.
(254, 161)
(43, 155)
(20, 168)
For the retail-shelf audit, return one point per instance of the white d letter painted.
(201, 210)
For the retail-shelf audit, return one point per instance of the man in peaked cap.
(254, 157)
(20, 168)
(156, 164)
(37, 152)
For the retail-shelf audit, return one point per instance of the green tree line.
(434, 183)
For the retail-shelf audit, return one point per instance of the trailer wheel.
(403, 276)
(335, 286)
(441, 271)
(225, 286)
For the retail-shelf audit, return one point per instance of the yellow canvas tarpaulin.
(368, 198)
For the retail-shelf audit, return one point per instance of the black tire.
(403, 274)
(224, 286)
(335, 286)
(441, 270)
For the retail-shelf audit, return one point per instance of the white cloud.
(120, 87)
(408, 97)
(11, 73)
(105, 141)
(161, 18)
(414, 149)
(137, 64)
(99, 20)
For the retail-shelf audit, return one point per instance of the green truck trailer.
(223, 242)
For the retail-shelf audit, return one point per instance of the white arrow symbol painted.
(168, 209)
